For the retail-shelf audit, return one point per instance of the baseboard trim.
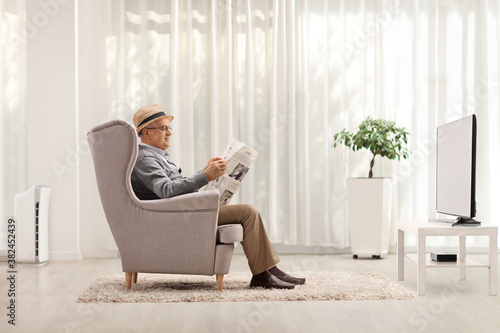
(100, 254)
(298, 249)
(65, 255)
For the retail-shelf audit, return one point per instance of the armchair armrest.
(199, 201)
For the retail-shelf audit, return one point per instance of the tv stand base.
(466, 222)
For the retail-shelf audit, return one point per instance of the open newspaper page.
(239, 158)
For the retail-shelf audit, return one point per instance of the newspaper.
(239, 158)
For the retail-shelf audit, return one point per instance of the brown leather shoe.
(272, 282)
(291, 279)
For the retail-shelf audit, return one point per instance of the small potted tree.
(369, 199)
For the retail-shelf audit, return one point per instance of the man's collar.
(156, 149)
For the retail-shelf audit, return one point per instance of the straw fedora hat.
(148, 114)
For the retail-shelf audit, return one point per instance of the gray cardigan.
(155, 177)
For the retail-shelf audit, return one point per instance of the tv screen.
(456, 169)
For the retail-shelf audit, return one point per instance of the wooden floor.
(46, 296)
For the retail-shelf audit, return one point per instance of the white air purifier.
(31, 212)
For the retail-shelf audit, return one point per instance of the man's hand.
(215, 168)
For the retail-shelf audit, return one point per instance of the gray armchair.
(177, 235)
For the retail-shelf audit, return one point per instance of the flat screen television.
(456, 171)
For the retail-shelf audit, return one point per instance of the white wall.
(64, 101)
(52, 119)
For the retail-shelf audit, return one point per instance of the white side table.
(423, 229)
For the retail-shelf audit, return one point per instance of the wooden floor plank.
(45, 302)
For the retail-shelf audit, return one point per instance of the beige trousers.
(257, 247)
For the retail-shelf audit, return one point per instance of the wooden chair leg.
(128, 280)
(220, 281)
(134, 277)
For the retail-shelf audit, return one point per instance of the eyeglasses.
(162, 128)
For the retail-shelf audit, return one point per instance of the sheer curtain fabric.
(13, 39)
(285, 76)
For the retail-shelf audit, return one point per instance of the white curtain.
(285, 76)
(12, 108)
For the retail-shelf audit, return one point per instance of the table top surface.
(441, 228)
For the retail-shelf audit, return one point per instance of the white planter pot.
(369, 201)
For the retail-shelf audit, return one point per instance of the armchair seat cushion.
(229, 233)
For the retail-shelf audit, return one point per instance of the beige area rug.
(320, 286)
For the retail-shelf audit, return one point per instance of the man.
(155, 176)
